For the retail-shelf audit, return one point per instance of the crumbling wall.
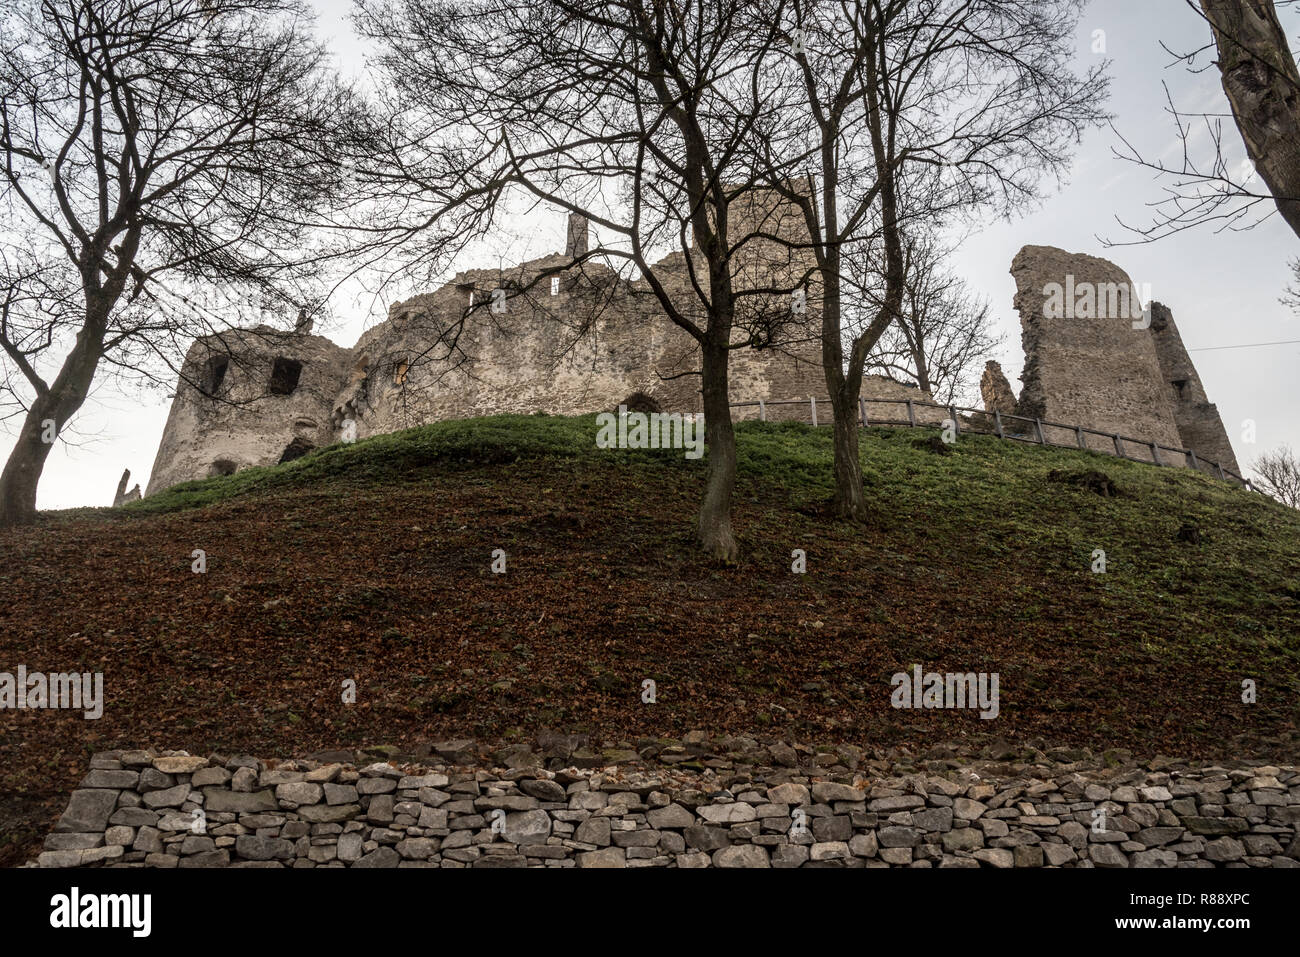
(1089, 359)
(231, 410)
(1197, 418)
(1094, 357)
(544, 336)
(585, 347)
(996, 390)
(122, 496)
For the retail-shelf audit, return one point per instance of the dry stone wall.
(694, 803)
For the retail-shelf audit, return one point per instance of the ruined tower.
(1095, 357)
(1088, 361)
(576, 242)
(248, 397)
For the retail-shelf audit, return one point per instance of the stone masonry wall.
(693, 803)
(1197, 418)
(1095, 357)
(583, 344)
(585, 348)
(1089, 366)
(241, 423)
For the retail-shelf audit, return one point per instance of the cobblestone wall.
(691, 803)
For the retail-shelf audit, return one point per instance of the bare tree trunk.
(22, 472)
(922, 371)
(715, 512)
(850, 498)
(1263, 87)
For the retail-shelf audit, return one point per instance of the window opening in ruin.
(640, 402)
(295, 450)
(222, 467)
(214, 374)
(284, 376)
(1180, 385)
(399, 376)
(555, 285)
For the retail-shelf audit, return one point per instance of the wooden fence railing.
(1036, 431)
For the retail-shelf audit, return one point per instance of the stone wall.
(545, 336)
(1089, 366)
(225, 416)
(587, 346)
(1095, 357)
(733, 802)
(1198, 421)
(551, 336)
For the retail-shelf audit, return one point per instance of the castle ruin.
(565, 335)
(560, 334)
(1096, 357)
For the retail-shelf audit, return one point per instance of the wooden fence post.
(911, 414)
(1119, 446)
(997, 423)
(1078, 434)
(762, 411)
(813, 401)
(862, 407)
(1038, 424)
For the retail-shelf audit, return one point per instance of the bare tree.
(1279, 475)
(903, 112)
(1262, 85)
(944, 333)
(635, 114)
(147, 145)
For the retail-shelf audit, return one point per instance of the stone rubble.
(689, 803)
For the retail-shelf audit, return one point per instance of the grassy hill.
(371, 562)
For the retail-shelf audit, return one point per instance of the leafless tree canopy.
(1279, 475)
(641, 116)
(1203, 187)
(944, 334)
(903, 114)
(662, 121)
(147, 146)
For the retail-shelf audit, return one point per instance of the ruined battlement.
(546, 336)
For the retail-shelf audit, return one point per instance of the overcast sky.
(1223, 289)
